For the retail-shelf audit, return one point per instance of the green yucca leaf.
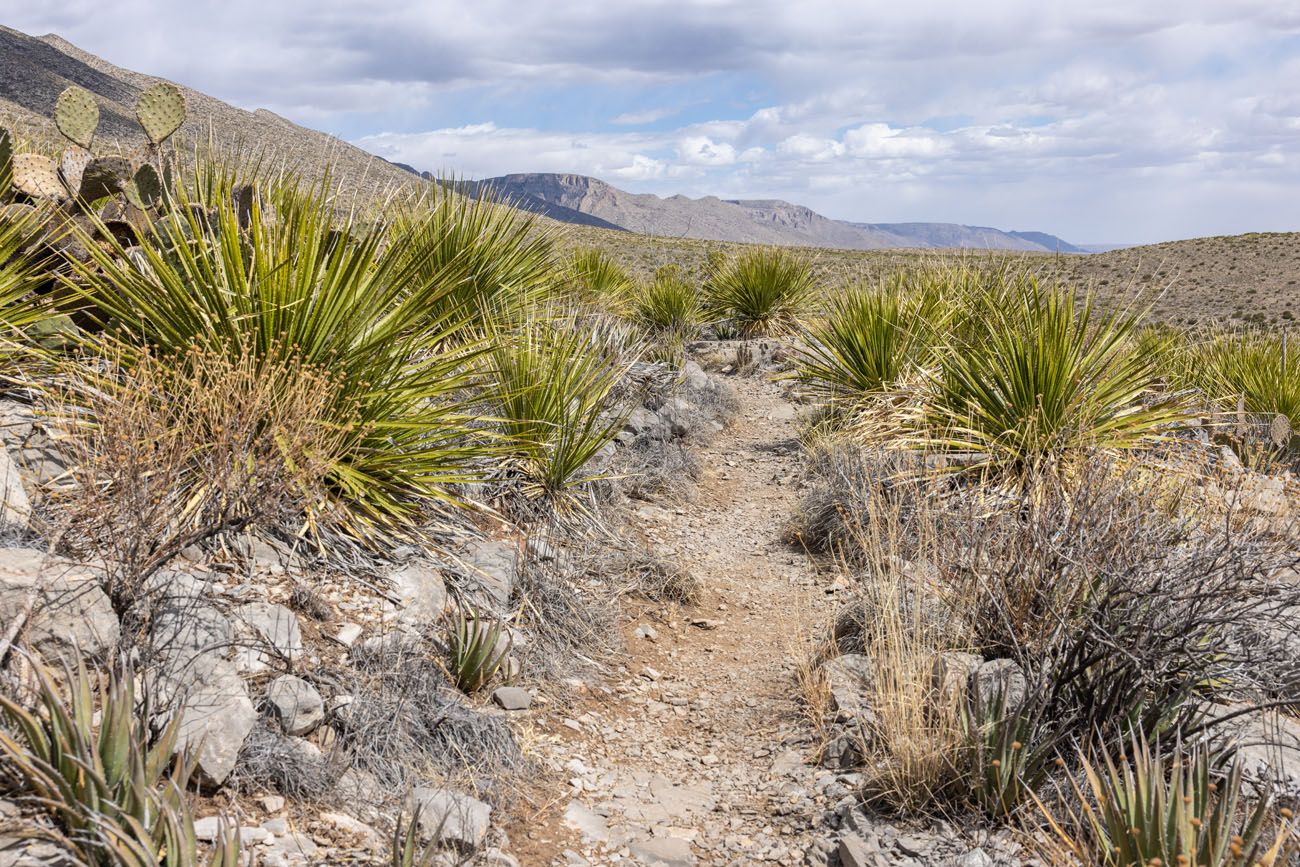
(1041, 375)
(592, 277)
(763, 292)
(383, 313)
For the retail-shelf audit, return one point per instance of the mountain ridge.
(763, 221)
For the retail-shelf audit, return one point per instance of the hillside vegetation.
(452, 534)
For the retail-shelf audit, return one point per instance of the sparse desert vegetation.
(432, 535)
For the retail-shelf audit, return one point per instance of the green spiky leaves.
(77, 116)
(36, 175)
(144, 190)
(161, 111)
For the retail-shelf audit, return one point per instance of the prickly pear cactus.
(72, 167)
(161, 111)
(144, 190)
(77, 116)
(36, 175)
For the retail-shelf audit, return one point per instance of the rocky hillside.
(755, 221)
(34, 70)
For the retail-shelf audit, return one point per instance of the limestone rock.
(951, 674)
(851, 676)
(451, 816)
(268, 634)
(15, 508)
(1000, 676)
(69, 609)
(513, 698)
(491, 566)
(422, 591)
(296, 703)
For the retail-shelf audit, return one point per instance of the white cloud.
(1113, 120)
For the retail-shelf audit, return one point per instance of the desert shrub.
(548, 388)
(406, 720)
(1040, 375)
(170, 450)
(762, 292)
(668, 310)
(88, 757)
(1142, 806)
(1123, 607)
(565, 606)
(594, 278)
(276, 277)
(271, 761)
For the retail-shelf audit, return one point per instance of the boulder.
(296, 703)
(192, 674)
(69, 612)
(452, 817)
(851, 676)
(680, 416)
(1000, 676)
(267, 634)
(513, 698)
(643, 422)
(422, 592)
(1268, 745)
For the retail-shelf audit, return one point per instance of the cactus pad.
(104, 177)
(72, 166)
(1280, 430)
(145, 189)
(161, 111)
(35, 175)
(77, 116)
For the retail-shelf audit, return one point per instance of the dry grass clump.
(566, 607)
(406, 720)
(270, 761)
(170, 450)
(1123, 609)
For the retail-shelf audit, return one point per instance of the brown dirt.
(711, 754)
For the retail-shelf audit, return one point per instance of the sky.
(1099, 121)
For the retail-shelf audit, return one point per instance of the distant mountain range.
(33, 71)
(592, 202)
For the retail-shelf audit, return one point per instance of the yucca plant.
(1256, 375)
(870, 339)
(668, 310)
(484, 258)
(763, 292)
(19, 309)
(88, 758)
(369, 307)
(1182, 808)
(1043, 375)
(473, 648)
(594, 278)
(549, 389)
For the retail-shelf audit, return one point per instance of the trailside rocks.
(66, 609)
(451, 817)
(296, 703)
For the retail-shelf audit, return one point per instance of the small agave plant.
(477, 650)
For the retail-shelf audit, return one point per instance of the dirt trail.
(697, 755)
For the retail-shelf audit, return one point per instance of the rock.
(22, 852)
(1268, 745)
(976, 858)
(664, 852)
(843, 751)
(267, 634)
(647, 632)
(277, 826)
(15, 508)
(192, 674)
(513, 698)
(951, 674)
(357, 834)
(360, 793)
(1262, 494)
(855, 852)
(850, 676)
(1000, 676)
(271, 803)
(348, 634)
(296, 703)
(680, 417)
(491, 565)
(289, 850)
(452, 817)
(422, 591)
(642, 422)
(70, 613)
